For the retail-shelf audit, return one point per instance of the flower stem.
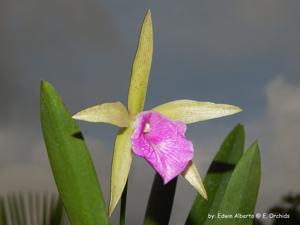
(160, 202)
(123, 205)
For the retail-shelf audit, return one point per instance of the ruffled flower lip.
(162, 143)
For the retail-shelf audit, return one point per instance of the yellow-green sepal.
(121, 163)
(141, 68)
(192, 175)
(113, 113)
(190, 111)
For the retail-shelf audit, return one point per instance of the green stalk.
(123, 205)
(160, 202)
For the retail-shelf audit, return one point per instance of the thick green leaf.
(160, 202)
(113, 113)
(13, 208)
(242, 190)
(45, 209)
(122, 159)
(71, 163)
(3, 218)
(56, 213)
(33, 198)
(218, 176)
(38, 208)
(22, 207)
(141, 68)
(190, 111)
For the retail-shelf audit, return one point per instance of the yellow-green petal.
(192, 175)
(120, 166)
(113, 113)
(189, 111)
(141, 68)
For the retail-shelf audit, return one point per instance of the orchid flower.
(158, 135)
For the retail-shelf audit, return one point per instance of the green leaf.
(33, 209)
(192, 175)
(121, 163)
(3, 218)
(22, 207)
(141, 68)
(189, 111)
(123, 206)
(113, 113)
(242, 190)
(56, 213)
(218, 176)
(71, 163)
(160, 202)
(45, 209)
(13, 208)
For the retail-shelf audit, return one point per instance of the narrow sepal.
(190, 111)
(122, 159)
(192, 175)
(113, 113)
(141, 68)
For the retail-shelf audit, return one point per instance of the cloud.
(278, 133)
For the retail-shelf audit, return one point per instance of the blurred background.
(243, 52)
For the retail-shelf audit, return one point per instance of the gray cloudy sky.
(239, 52)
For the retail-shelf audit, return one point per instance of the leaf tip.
(112, 206)
(47, 88)
(204, 194)
(82, 115)
(257, 151)
(239, 126)
(254, 146)
(148, 15)
(77, 116)
(254, 150)
(237, 109)
(231, 109)
(192, 175)
(149, 12)
(44, 84)
(148, 21)
(255, 143)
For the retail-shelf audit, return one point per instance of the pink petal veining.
(164, 146)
